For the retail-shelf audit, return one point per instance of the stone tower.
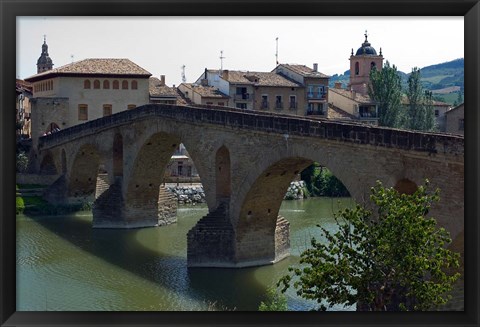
(44, 63)
(360, 65)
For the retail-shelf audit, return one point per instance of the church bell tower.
(364, 60)
(44, 63)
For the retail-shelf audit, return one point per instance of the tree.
(385, 88)
(420, 104)
(385, 259)
(275, 301)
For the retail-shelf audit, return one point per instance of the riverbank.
(193, 193)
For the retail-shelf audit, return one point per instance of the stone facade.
(455, 120)
(246, 161)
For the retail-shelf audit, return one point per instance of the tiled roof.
(157, 89)
(360, 98)
(95, 66)
(304, 70)
(435, 103)
(206, 91)
(256, 78)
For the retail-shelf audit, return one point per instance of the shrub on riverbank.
(35, 205)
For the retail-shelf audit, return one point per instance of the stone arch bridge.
(246, 160)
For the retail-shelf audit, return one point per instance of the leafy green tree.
(385, 88)
(275, 301)
(22, 162)
(388, 258)
(420, 114)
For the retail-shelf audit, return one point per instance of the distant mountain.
(445, 80)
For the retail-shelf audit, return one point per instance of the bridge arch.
(143, 185)
(117, 155)
(47, 165)
(223, 175)
(84, 171)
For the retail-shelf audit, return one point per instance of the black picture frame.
(10, 9)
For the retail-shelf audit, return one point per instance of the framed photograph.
(268, 130)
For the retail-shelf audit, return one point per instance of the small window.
(437, 112)
(131, 106)
(134, 85)
(221, 104)
(357, 68)
(124, 85)
(82, 112)
(209, 103)
(106, 84)
(96, 84)
(461, 124)
(86, 84)
(116, 85)
(107, 110)
(372, 65)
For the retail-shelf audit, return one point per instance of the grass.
(30, 186)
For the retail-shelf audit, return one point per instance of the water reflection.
(65, 264)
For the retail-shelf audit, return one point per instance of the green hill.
(446, 78)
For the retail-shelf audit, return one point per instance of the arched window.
(124, 85)
(357, 68)
(106, 84)
(134, 85)
(86, 84)
(372, 65)
(115, 85)
(96, 84)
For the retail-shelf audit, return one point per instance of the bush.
(275, 301)
(387, 259)
(22, 162)
(20, 205)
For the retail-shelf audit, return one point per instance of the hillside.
(445, 80)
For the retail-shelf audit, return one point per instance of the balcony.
(293, 105)
(279, 105)
(317, 95)
(264, 105)
(316, 113)
(243, 96)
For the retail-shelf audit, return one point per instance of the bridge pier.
(111, 211)
(213, 242)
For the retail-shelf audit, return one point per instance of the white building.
(92, 88)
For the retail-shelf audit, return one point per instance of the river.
(64, 264)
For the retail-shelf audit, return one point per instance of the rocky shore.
(193, 193)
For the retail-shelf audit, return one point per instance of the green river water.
(65, 264)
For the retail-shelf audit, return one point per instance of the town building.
(204, 94)
(23, 91)
(266, 91)
(361, 63)
(315, 83)
(88, 89)
(353, 105)
(455, 120)
(161, 93)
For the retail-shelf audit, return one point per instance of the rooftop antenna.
(184, 79)
(221, 60)
(276, 53)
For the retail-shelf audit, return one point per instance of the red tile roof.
(94, 67)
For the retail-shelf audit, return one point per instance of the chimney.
(338, 85)
(162, 80)
(315, 67)
(225, 74)
(204, 82)
(205, 74)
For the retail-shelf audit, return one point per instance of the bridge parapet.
(342, 131)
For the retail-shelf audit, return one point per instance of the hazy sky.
(162, 45)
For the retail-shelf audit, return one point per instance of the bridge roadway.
(246, 160)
